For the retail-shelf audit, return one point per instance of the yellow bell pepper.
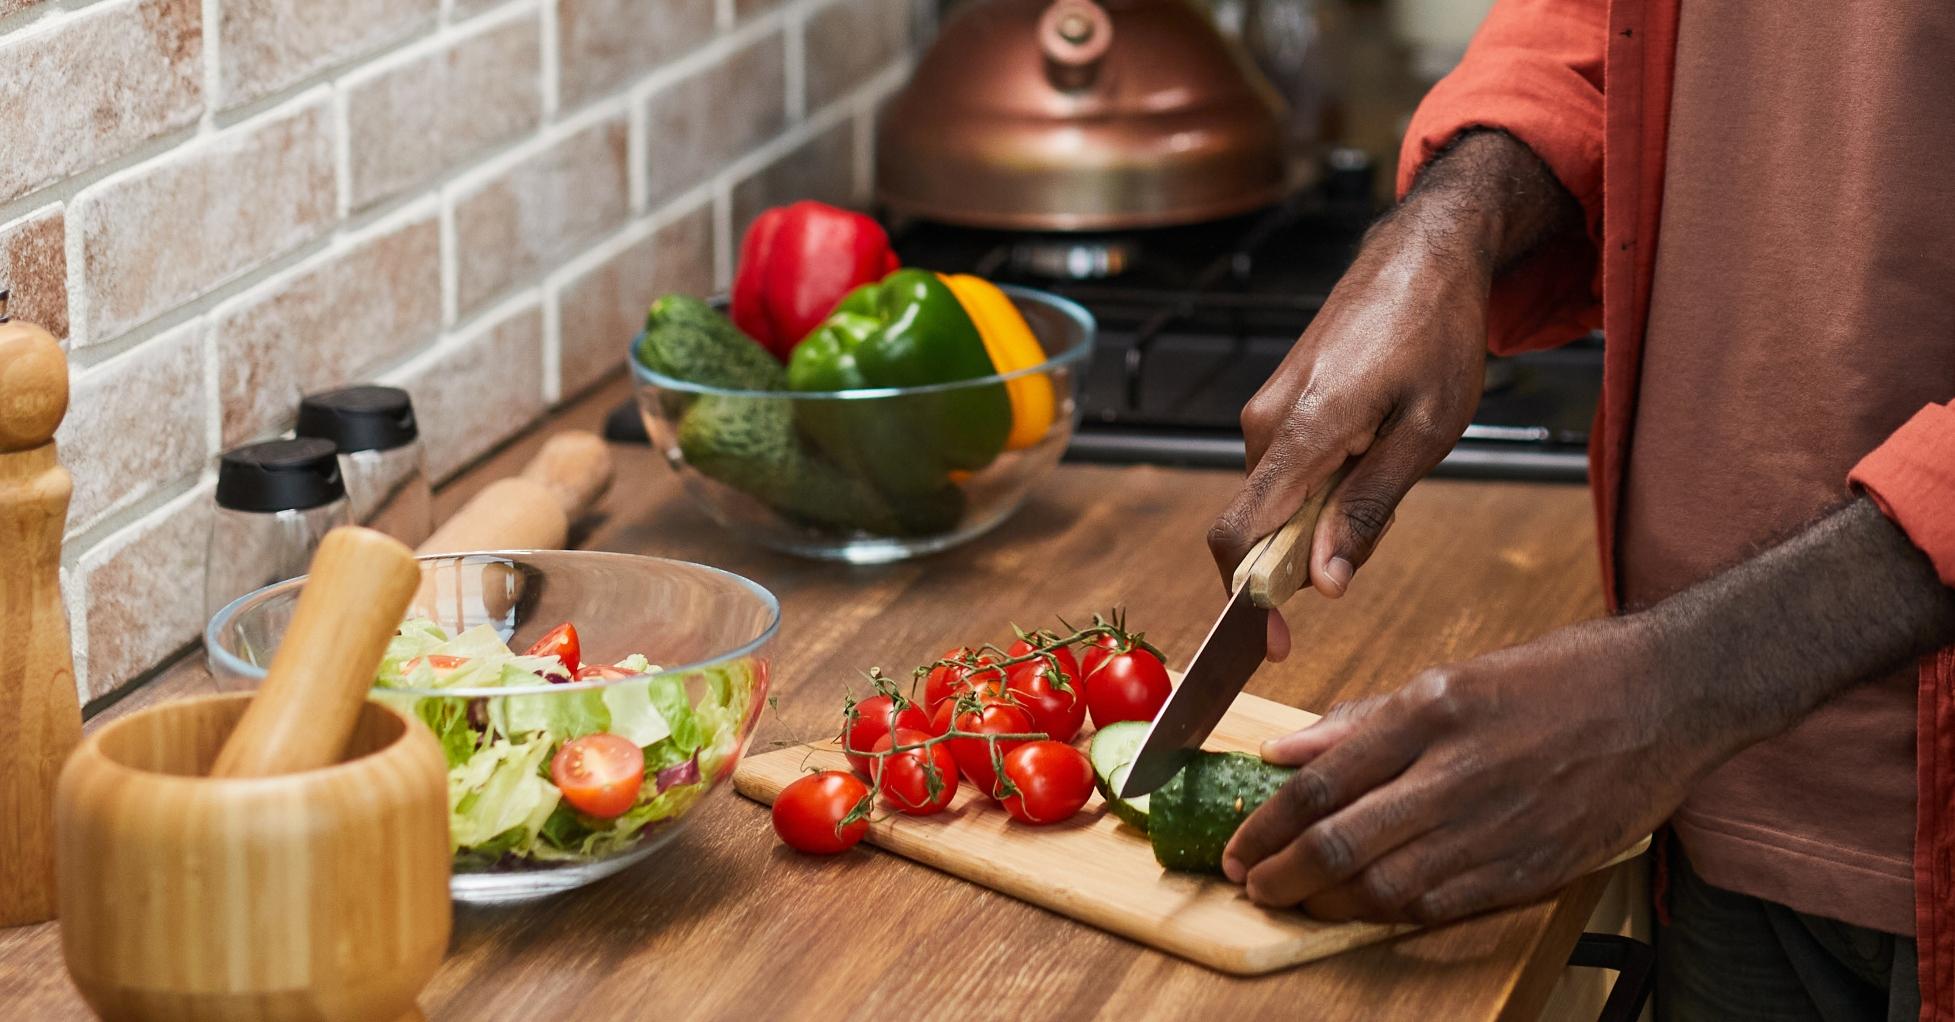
(1009, 342)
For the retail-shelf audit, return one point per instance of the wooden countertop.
(728, 923)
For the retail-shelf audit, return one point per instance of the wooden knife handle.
(1279, 565)
(350, 606)
(533, 510)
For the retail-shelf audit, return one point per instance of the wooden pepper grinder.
(40, 712)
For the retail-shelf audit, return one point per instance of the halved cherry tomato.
(874, 718)
(973, 755)
(438, 661)
(1053, 781)
(907, 778)
(595, 672)
(560, 642)
(809, 812)
(1125, 686)
(599, 774)
(1058, 711)
(947, 681)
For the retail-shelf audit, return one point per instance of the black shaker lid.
(360, 418)
(279, 475)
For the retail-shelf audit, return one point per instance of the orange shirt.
(1537, 71)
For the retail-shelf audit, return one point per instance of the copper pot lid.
(1075, 115)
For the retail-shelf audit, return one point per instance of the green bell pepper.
(908, 330)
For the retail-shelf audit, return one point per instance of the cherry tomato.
(941, 720)
(809, 812)
(1057, 712)
(875, 716)
(599, 774)
(441, 662)
(946, 682)
(904, 778)
(560, 642)
(1097, 649)
(596, 672)
(1053, 780)
(993, 717)
(1125, 686)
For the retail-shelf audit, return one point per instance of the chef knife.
(1269, 575)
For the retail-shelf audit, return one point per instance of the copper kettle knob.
(1074, 35)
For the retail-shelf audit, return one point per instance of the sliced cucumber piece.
(1131, 811)
(1193, 816)
(1113, 751)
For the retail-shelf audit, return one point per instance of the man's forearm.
(1756, 647)
(1489, 198)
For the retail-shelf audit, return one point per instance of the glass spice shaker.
(275, 501)
(379, 454)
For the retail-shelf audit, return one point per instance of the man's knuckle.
(1384, 886)
(1442, 696)
(1545, 861)
(1313, 402)
(1330, 847)
(1424, 422)
(1262, 414)
(1224, 536)
(1350, 709)
(1432, 907)
(1309, 792)
(1366, 513)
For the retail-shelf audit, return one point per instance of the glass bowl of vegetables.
(890, 432)
(586, 702)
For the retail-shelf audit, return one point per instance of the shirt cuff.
(1911, 477)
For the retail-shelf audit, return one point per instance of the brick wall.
(220, 204)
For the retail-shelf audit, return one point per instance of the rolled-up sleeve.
(1534, 71)
(1911, 475)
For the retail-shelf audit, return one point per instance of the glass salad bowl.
(858, 475)
(570, 764)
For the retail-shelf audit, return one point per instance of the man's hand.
(1389, 372)
(1497, 781)
(1490, 782)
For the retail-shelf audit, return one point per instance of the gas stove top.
(1194, 319)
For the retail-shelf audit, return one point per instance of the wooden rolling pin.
(303, 713)
(40, 711)
(533, 510)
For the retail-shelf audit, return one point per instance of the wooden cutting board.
(1098, 870)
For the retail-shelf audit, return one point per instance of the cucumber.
(1113, 751)
(1192, 817)
(749, 444)
(689, 340)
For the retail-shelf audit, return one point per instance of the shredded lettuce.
(501, 800)
(629, 705)
(499, 790)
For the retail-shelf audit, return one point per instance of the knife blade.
(1236, 645)
(1227, 659)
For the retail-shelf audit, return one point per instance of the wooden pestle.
(354, 595)
(40, 711)
(533, 510)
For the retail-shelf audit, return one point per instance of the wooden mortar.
(280, 855)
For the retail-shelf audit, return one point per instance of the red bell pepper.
(796, 264)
